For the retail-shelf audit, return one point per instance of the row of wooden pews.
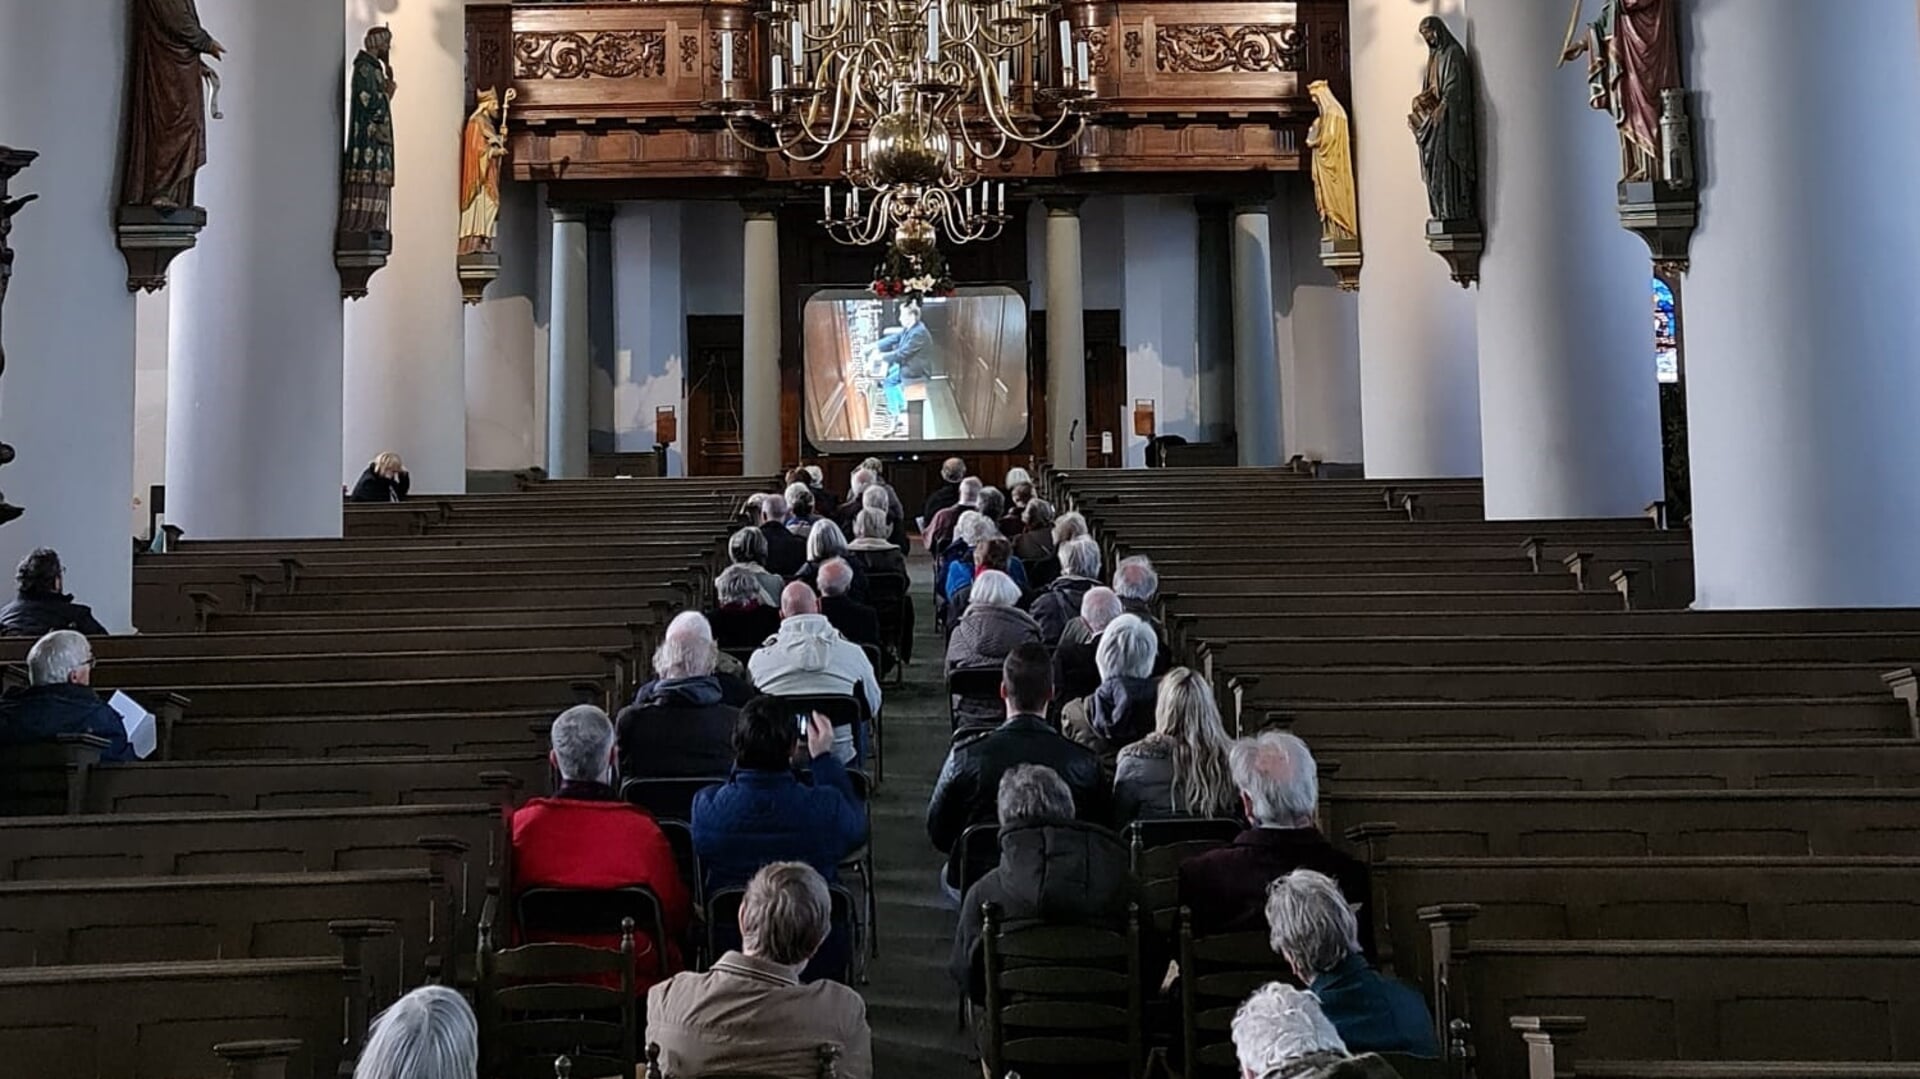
(1609, 836)
(344, 720)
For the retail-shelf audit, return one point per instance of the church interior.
(712, 539)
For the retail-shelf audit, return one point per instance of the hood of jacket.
(997, 623)
(809, 639)
(1063, 871)
(1123, 708)
(699, 692)
(869, 543)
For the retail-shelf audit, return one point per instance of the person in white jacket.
(808, 657)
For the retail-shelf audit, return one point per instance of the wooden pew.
(358, 734)
(1628, 720)
(1575, 765)
(201, 785)
(612, 634)
(1244, 642)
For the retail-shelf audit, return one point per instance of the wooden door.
(1106, 389)
(713, 395)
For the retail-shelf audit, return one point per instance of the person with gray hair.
(801, 509)
(586, 837)
(748, 548)
(743, 615)
(59, 699)
(428, 1034)
(680, 725)
(939, 529)
(856, 621)
(786, 552)
(826, 542)
(1226, 889)
(750, 1013)
(1313, 928)
(1059, 602)
(1076, 673)
(1069, 525)
(1280, 1032)
(1120, 711)
(988, 631)
(1136, 583)
(1053, 870)
(1035, 541)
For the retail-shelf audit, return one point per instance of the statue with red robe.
(1633, 59)
(167, 104)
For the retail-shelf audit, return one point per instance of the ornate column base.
(151, 238)
(1461, 242)
(477, 271)
(1345, 259)
(1665, 217)
(360, 255)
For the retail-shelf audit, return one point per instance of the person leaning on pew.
(1281, 1033)
(42, 603)
(385, 480)
(430, 1033)
(1313, 928)
(59, 699)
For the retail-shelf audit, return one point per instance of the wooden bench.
(1630, 720)
(1564, 764)
(358, 734)
(202, 785)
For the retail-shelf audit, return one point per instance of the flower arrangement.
(902, 275)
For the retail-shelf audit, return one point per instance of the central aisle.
(910, 998)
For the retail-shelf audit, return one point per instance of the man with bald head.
(808, 657)
(856, 621)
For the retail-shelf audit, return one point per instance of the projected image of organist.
(907, 351)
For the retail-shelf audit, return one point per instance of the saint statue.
(482, 148)
(366, 177)
(1443, 121)
(167, 108)
(8, 207)
(1633, 59)
(1331, 140)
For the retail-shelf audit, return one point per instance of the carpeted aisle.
(910, 999)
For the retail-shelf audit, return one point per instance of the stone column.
(1419, 382)
(1066, 338)
(1256, 369)
(1569, 404)
(602, 427)
(1802, 389)
(760, 343)
(406, 349)
(66, 402)
(254, 357)
(569, 367)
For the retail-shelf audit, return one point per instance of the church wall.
(1102, 254)
(712, 257)
(150, 326)
(649, 353)
(501, 356)
(1160, 302)
(1317, 335)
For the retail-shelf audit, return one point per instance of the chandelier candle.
(1066, 52)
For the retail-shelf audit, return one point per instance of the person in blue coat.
(900, 353)
(1314, 929)
(59, 699)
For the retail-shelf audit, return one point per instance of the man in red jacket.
(586, 837)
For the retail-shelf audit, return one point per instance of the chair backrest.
(723, 927)
(980, 685)
(680, 836)
(547, 912)
(976, 851)
(828, 1055)
(541, 1001)
(1157, 847)
(1063, 999)
(1216, 974)
(668, 799)
(843, 709)
(889, 594)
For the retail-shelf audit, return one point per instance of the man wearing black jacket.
(786, 552)
(952, 471)
(43, 605)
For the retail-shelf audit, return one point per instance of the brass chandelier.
(913, 95)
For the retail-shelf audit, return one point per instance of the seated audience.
(385, 480)
(1076, 673)
(974, 530)
(856, 621)
(952, 471)
(825, 541)
(1120, 711)
(1314, 930)
(765, 812)
(1069, 525)
(586, 837)
(993, 553)
(868, 478)
(1017, 476)
(1059, 602)
(939, 530)
(809, 658)
(1136, 583)
(816, 481)
(1054, 870)
(800, 509)
(1226, 889)
(59, 699)
(748, 547)
(992, 628)
(1280, 1032)
(749, 1013)
(882, 498)
(786, 552)
(1014, 520)
(1181, 769)
(1033, 539)
(430, 1033)
(969, 781)
(742, 618)
(681, 724)
(42, 604)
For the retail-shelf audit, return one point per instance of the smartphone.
(800, 721)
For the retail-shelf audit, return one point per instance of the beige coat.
(750, 1015)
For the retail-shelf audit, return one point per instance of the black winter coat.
(373, 487)
(1065, 873)
(1058, 605)
(35, 614)
(968, 789)
(786, 552)
(678, 728)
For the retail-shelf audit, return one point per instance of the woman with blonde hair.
(385, 480)
(1181, 769)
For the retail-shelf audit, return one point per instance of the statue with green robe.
(366, 176)
(1443, 122)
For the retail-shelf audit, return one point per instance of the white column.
(1066, 338)
(1256, 369)
(760, 343)
(500, 344)
(1803, 391)
(1569, 406)
(1419, 383)
(66, 402)
(569, 367)
(1318, 331)
(254, 358)
(406, 353)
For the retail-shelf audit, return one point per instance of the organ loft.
(1286, 539)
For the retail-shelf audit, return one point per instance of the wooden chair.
(890, 595)
(971, 684)
(1063, 997)
(667, 799)
(544, 912)
(976, 851)
(1216, 974)
(1157, 847)
(829, 1067)
(539, 1001)
(48, 778)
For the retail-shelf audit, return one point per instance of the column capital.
(600, 216)
(760, 209)
(1063, 205)
(570, 213)
(1252, 204)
